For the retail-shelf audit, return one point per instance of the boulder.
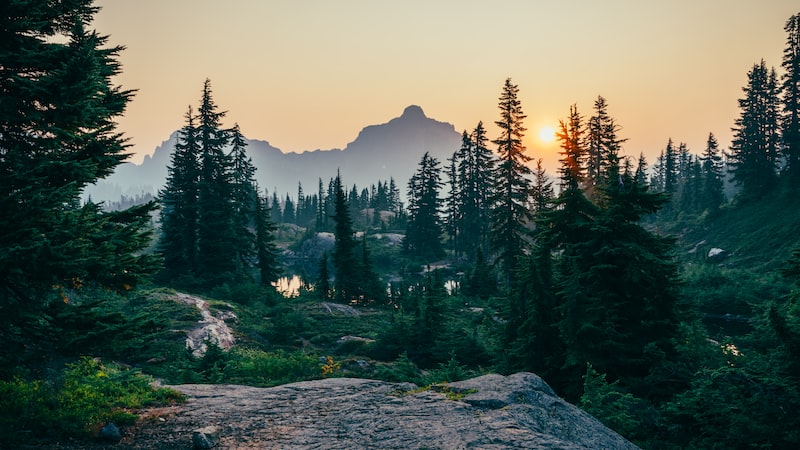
(205, 438)
(110, 433)
(488, 412)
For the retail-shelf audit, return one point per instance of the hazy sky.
(308, 75)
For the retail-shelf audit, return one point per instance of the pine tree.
(179, 209)
(216, 242)
(266, 251)
(790, 119)
(617, 288)
(542, 192)
(641, 170)
(424, 228)
(244, 196)
(713, 177)
(57, 118)
(670, 169)
(452, 202)
(323, 286)
(322, 216)
(288, 210)
(275, 210)
(602, 144)
(345, 260)
(753, 153)
(475, 183)
(532, 336)
(512, 190)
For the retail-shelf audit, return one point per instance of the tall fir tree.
(670, 168)
(244, 196)
(452, 202)
(790, 119)
(713, 194)
(616, 288)
(753, 151)
(476, 164)
(424, 229)
(602, 144)
(323, 284)
(266, 250)
(345, 259)
(216, 242)
(532, 335)
(542, 190)
(179, 209)
(58, 135)
(512, 190)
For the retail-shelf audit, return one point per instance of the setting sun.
(547, 134)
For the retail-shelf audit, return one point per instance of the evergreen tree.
(790, 119)
(57, 136)
(602, 144)
(266, 251)
(244, 197)
(424, 229)
(617, 289)
(346, 263)
(753, 154)
(323, 286)
(532, 334)
(641, 170)
(452, 202)
(178, 198)
(288, 210)
(713, 177)
(216, 242)
(692, 188)
(542, 193)
(393, 193)
(275, 210)
(475, 183)
(657, 177)
(670, 169)
(322, 200)
(512, 190)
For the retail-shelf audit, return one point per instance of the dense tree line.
(316, 210)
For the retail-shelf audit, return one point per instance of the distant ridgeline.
(380, 152)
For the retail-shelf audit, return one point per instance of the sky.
(308, 75)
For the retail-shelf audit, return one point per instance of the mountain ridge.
(379, 152)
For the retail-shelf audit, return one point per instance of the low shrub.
(86, 395)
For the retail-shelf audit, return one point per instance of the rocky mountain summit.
(488, 412)
(379, 152)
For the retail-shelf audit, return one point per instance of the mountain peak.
(413, 111)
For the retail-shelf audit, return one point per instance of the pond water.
(289, 286)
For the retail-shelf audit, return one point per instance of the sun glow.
(547, 134)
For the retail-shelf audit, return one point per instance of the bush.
(87, 395)
(257, 367)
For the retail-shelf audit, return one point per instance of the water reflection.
(289, 287)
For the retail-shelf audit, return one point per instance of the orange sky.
(310, 74)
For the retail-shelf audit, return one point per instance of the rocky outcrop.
(210, 329)
(488, 412)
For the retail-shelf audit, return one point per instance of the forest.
(661, 297)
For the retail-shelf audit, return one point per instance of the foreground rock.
(489, 412)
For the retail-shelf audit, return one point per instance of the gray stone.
(110, 433)
(205, 438)
(489, 412)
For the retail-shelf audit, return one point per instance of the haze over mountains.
(392, 149)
